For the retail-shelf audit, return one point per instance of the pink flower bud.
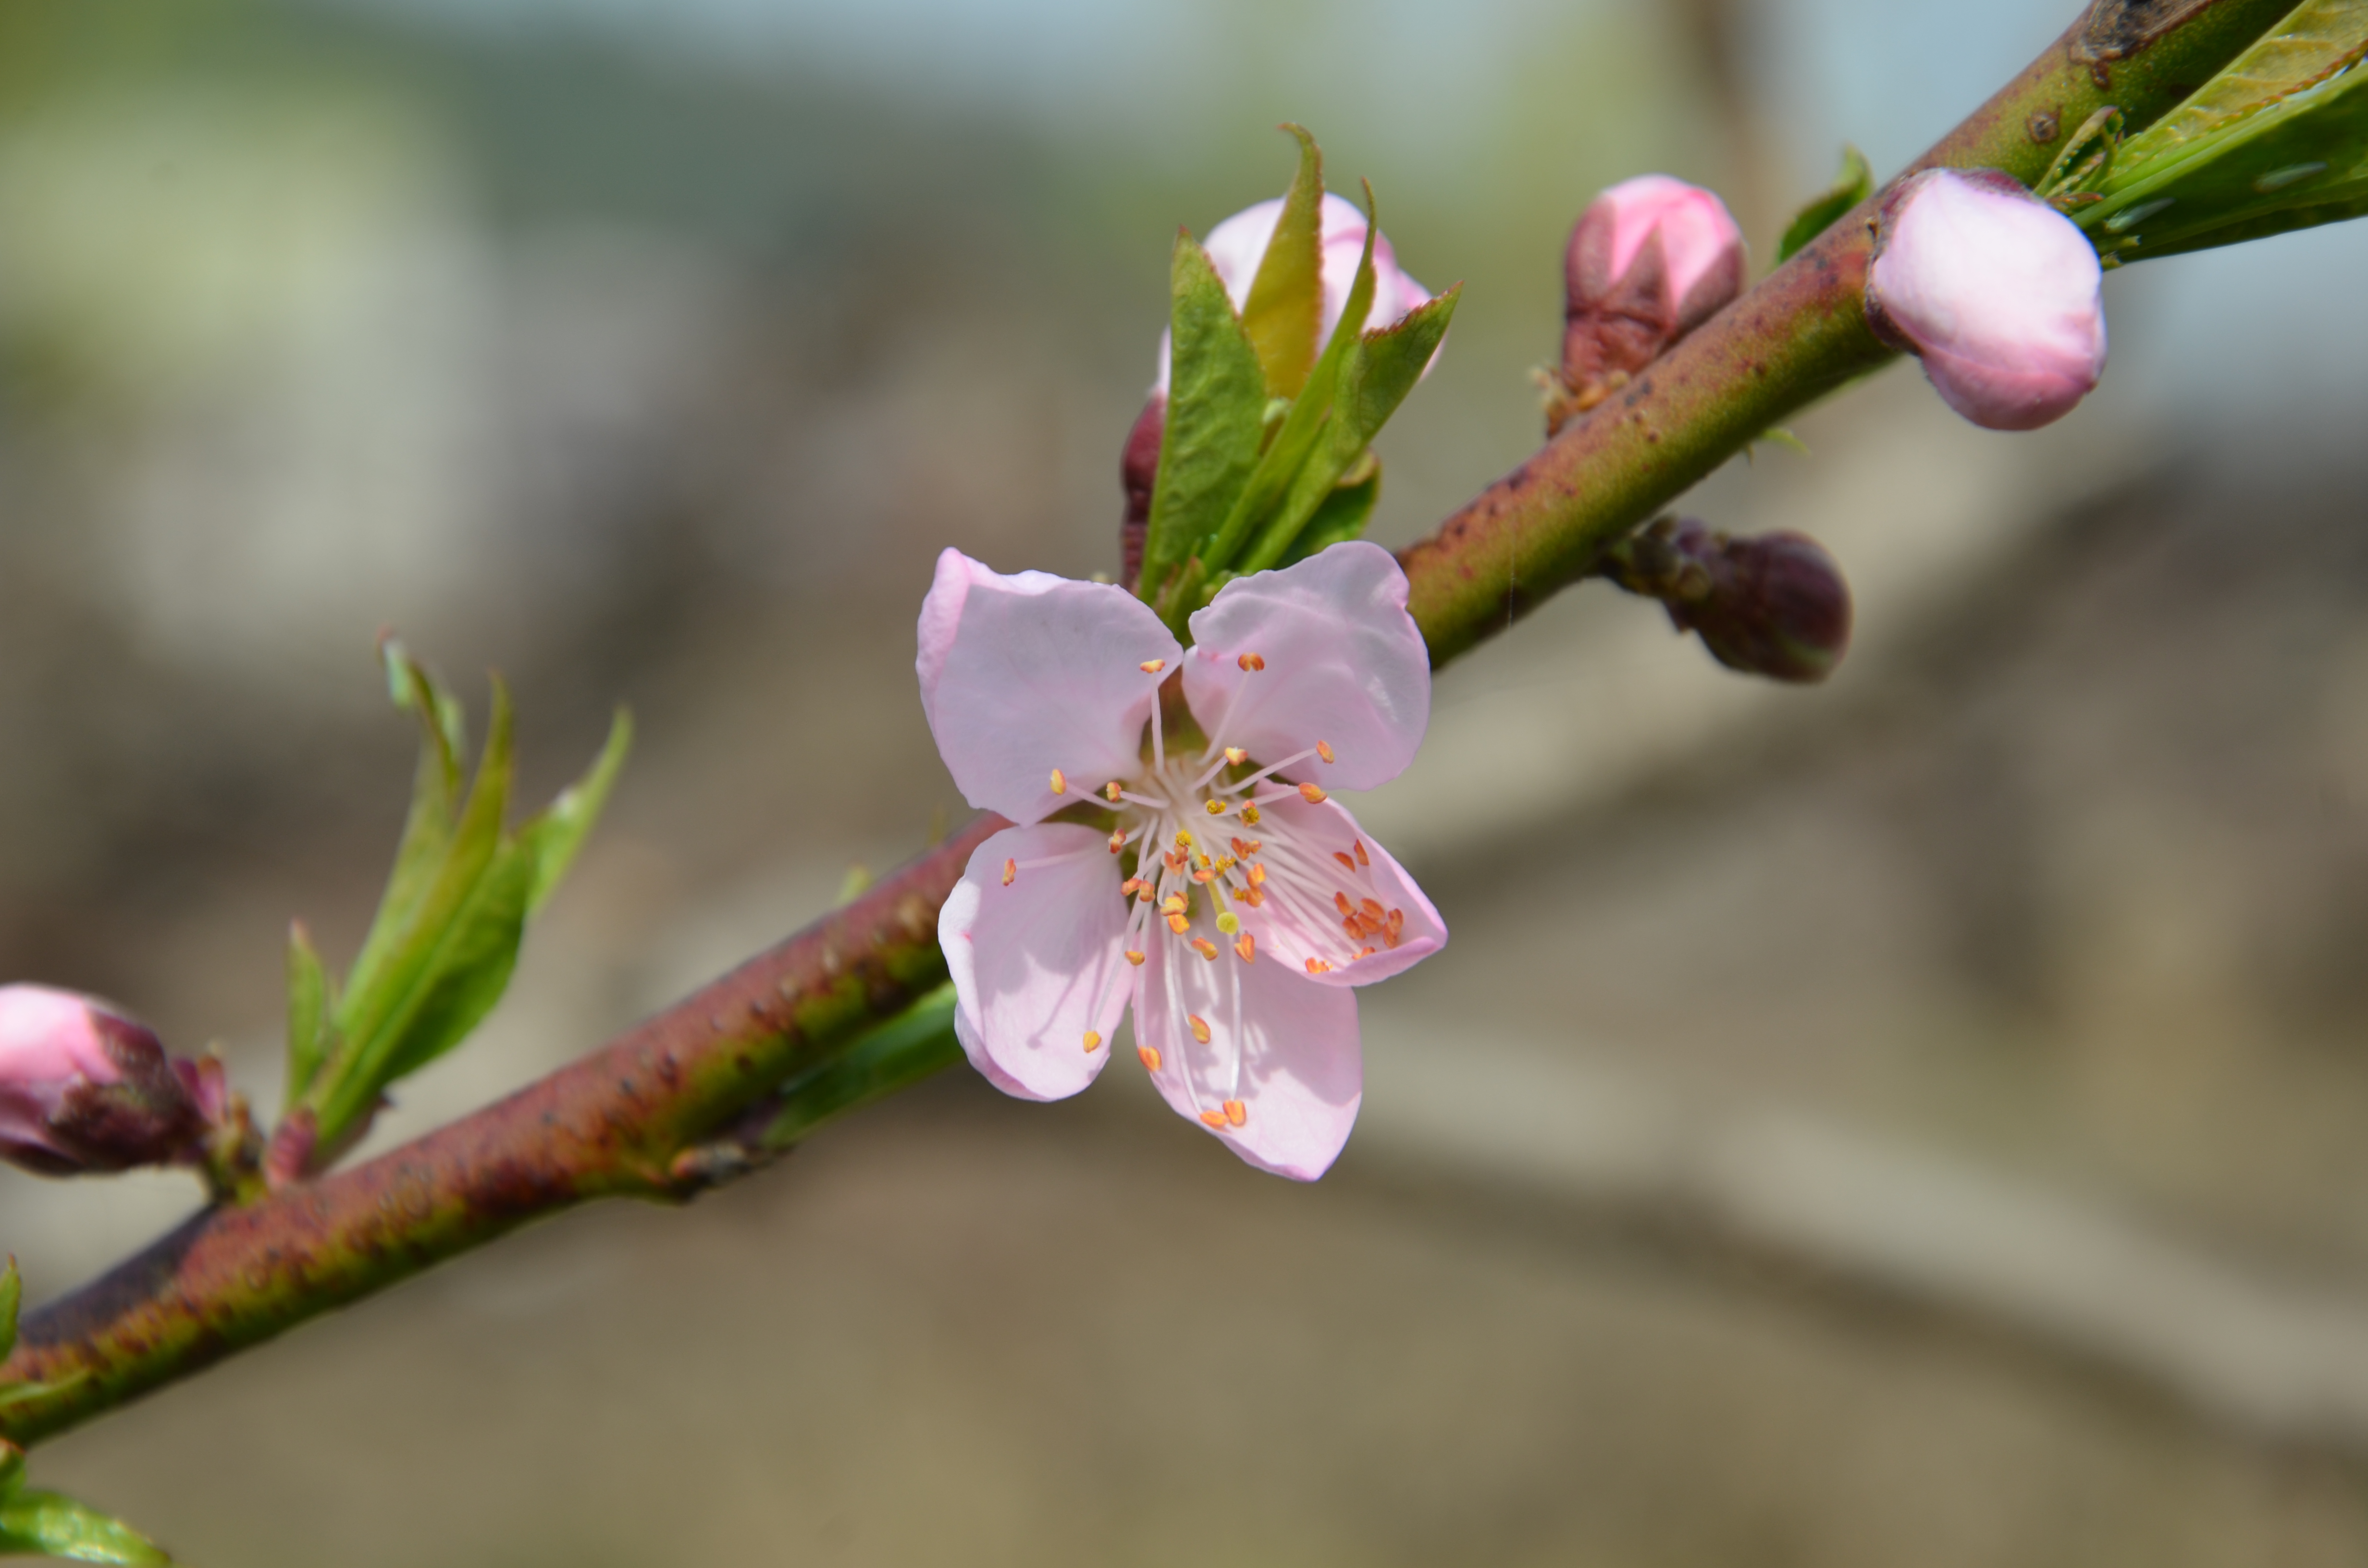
(1995, 291)
(1650, 260)
(1773, 604)
(1238, 245)
(85, 1089)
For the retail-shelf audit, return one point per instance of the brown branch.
(650, 1115)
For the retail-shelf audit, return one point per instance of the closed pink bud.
(85, 1089)
(1995, 291)
(1238, 245)
(1650, 260)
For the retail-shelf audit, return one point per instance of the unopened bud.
(85, 1089)
(1138, 469)
(1773, 604)
(1996, 292)
(1650, 260)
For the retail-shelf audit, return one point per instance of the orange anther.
(1372, 908)
(1257, 876)
(1010, 869)
(1251, 661)
(1311, 793)
(1253, 896)
(1237, 1113)
(1341, 901)
(1173, 859)
(1245, 847)
(1202, 874)
(1364, 952)
(1246, 947)
(1213, 1117)
(1200, 1027)
(1216, 808)
(1393, 929)
(1173, 903)
(1362, 858)
(1323, 750)
(1118, 839)
(1113, 791)
(1093, 1041)
(1205, 948)
(1148, 1055)
(1347, 860)
(1236, 755)
(1152, 666)
(1059, 782)
(1178, 924)
(1318, 966)
(1134, 958)
(1126, 889)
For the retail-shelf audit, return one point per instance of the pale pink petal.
(1026, 674)
(1314, 855)
(1036, 963)
(1344, 664)
(1301, 1077)
(1697, 232)
(50, 1039)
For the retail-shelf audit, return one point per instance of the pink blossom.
(1997, 292)
(1235, 904)
(1238, 245)
(83, 1087)
(1650, 260)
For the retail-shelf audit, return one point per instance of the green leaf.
(1286, 301)
(1343, 514)
(434, 796)
(1288, 452)
(471, 969)
(1855, 184)
(2277, 140)
(1374, 378)
(11, 1296)
(308, 1012)
(49, 1524)
(902, 1052)
(1216, 412)
(553, 835)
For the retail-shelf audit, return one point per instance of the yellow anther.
(1059, 782)
(1251, 661)
(1201, 874)
(1250, 816)
(1318, 966)
(1178, 924)
(1311, 793)
(1213, 1117)
(1229, 923)
(1236, 755)
(1010, 869)
(1246, 947)
(1127, 888)
(1200, 1027)
(1093, 1041)
(1205, 948)
(1362, 858)
(1113, 791)
(1237, 1113)
(1134, 958)
(1173, 903)
(1183, 838)
(1148, 1055)
(1224, 863)
(1152, 666)
(1118, 839)
(1323, 750)
(1216, 808)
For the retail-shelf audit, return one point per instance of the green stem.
(666, 1110)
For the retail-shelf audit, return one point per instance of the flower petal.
(1343, 664)
(1025, 674)
(1304, 847)
(1036, 961)
(1302, 1073)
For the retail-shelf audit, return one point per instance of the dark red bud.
(1774, 604)
(1138, 469)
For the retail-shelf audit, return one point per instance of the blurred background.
(1915, 1119)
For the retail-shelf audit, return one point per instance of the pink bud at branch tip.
(1650, 260)
(1995, 291)
(85, 1089)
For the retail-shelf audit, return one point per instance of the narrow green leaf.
(15, 1394)
(471, 969)
(50, 1524)
(1216, 412)
(2278, 141)
(1374, 380)
(1854, 185)
(1286, 300)
(308, 1012)
(902, 1052)
(435, 797)
(1343, 514)
(12, 1468)
(11, 1296)
(2087, 159)
(1288, 452)
(553, 835)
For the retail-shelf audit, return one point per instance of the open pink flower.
(1235, 904)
